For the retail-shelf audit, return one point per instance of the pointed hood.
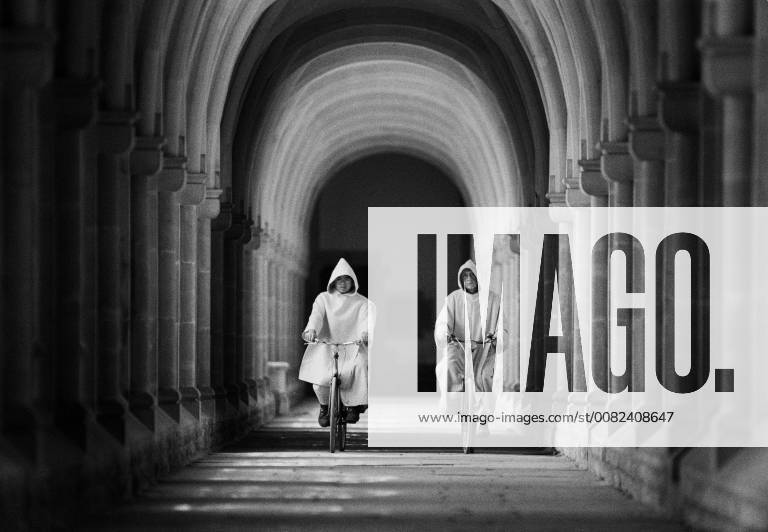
(343, 268)
(469, 265)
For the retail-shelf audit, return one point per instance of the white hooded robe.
(339, 318)
(462, 309)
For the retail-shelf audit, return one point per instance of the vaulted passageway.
(161, 161)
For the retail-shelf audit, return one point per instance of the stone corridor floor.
(282, 477)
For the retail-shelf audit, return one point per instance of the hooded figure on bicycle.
(339, 315)
(458, 322)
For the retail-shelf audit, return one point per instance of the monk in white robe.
(460, 319)
(339, 315)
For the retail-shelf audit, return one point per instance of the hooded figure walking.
(460, 319)
(339, 315)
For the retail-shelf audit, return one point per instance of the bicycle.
(468, 426)
(336, 410)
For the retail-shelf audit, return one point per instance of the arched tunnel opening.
(339, 226)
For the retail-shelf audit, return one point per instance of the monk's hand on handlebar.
(490, 338)
(364, 338)
(309, 336)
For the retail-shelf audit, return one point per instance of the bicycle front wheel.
(342, 437)
(334, 412)
(468, 426)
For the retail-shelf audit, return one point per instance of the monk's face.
(469, 281)
(343, 284)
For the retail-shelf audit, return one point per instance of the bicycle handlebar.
(473, 342)
(356, 342)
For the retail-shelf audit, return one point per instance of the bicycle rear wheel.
(334, 412)
(468, 431)
(342, 437)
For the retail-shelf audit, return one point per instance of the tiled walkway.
(283, 478)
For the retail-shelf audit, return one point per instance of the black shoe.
(323, 418)
(362, 408)
(353, 414)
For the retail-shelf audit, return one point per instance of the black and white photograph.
(383, 265)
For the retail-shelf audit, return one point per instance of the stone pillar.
(679, 27)
(646, 146)
(235, 236)
(281, 299)
(251, 314)
(192, 196)
(760, 104)
(116, 139)
(170, 185)
(572, 195)
(219, 226)
(272, 346)
(592, 182)
(261, 331)
(294, 313)
(208, 210)
(76, 104)
(146, 163)
(617, 168)
(679, 114)
(277, 377)
(727, 74)
(243, 255)
(28, 64)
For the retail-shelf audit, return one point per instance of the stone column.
(294, 313)
(760, 104)
(617, 168)
(251, 314)
(261, 332)
(171, 183)
(573, 196)
(146, 163)
(116, 139)
(28, 65)
(281, 299)
(727, 74)
(76, 104)
(242, 258)
(192, 196)
(208, 210)
(234, 237)
(219, 226)
(272, 346)
(679, 114)
(592, 182)
(598, 187)
(679, 99)
(646, 146)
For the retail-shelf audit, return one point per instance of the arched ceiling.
(556, 75)
(346, 81)
(389, 95)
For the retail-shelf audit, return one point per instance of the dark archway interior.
(340, 223)
(340, 218)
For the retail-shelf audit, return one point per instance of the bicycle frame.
(336, 410)
(469, 428)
